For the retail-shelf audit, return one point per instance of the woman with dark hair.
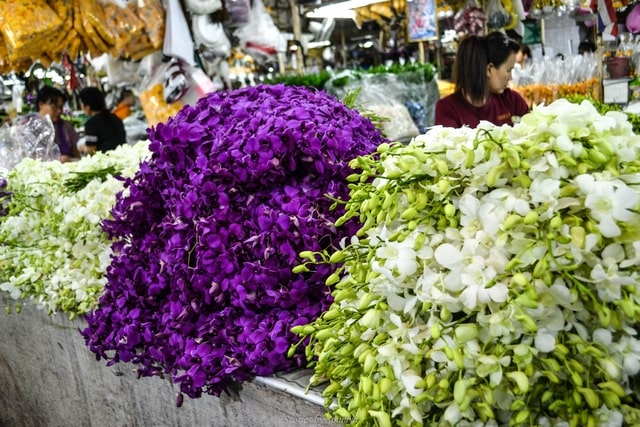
(50, 101)
(103, 130)
(481, 74)
(523, 56)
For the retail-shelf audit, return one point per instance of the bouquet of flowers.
(52, 247)
(494, 279)
(201, 286)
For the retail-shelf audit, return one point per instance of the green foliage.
(308, 80)
(407, 71)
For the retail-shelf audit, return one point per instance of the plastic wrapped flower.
(53, 250)
(494, 280)
(202, 286)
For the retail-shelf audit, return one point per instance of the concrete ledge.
(50, 378)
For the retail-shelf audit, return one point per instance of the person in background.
(127, 100)
(50, 101)
(523, 56)
(103, 130)
(481, 74)
(586, 46)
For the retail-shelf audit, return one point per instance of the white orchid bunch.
(494, 280)
(52, 247)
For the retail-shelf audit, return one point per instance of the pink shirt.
(455, 111)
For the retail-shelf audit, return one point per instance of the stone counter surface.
(49, 378)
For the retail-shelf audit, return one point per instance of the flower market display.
(53, 250)
(494, 279)
(202, 285)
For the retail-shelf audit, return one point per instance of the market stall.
(275, 233)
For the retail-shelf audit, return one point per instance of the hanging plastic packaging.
(177, 36)
(26, 25)
(203, 7)
(497, 15)
(31, 137)
(260, 37)
(211, 35)
(151, 13)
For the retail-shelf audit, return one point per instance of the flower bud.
(527, 322)
(383, 148)
(511, 221)
(366, 384)
(371, 319)
(610, 399)
(449, 210)
(369, 364)
(520, 379)
(301, 268)
(443, 186)
(613, 387)
(556, 222)
(460, 390)
(592, 399)
(466, 332)
(332, 279)
(520, 279)
(520, 418)
(409, 214)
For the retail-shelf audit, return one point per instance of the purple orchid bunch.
(201, 284)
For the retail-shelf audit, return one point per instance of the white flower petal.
(544, 341)
(448, 256)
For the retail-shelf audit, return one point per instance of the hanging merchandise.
(210, 35)
(469, 20)
(633, 20)
(177, 37)
(497, 15)
(203, 7)
(170, 86)
(151, 13)
(176, 83)
(607, 15)
(27, 41)
(90, 23)
(121, 72)
(121, 19)
(260, 37)
(238, 12)
(71, 77)
(511, 10)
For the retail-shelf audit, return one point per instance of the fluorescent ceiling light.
(342, 10)
(314, 45)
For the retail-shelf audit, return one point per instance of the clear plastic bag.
(380, 95)
(260, 37)
(31, 137)
(497, 15)
(178, 42)
(210, 35)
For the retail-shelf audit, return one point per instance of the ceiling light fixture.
(342, 10)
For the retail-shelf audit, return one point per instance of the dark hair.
(93, 98)
(48, 94)
(125, 93)
(586, 46)
(475, 53)
(526, 50)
